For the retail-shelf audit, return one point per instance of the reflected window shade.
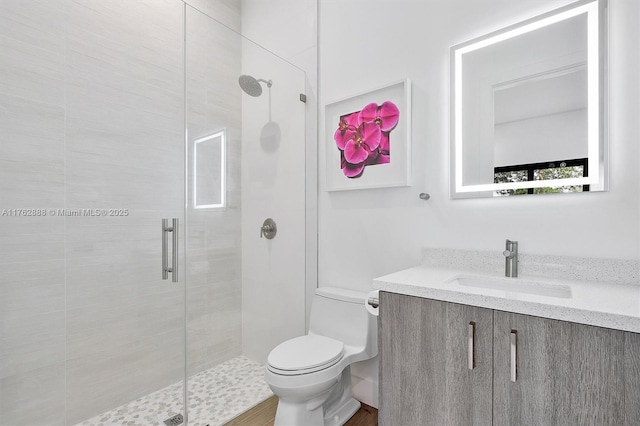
(209, 171)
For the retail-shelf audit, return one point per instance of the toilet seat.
(305, 354)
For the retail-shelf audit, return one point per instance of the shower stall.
(115, 115)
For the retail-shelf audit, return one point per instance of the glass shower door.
(124, 154)
(246, 164)
(91, 160)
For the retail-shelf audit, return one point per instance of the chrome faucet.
(511, 259)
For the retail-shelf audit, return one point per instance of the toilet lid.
(305, 354)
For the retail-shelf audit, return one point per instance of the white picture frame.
(396, 171)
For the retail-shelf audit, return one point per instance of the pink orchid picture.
(362, 131)
(363, 137)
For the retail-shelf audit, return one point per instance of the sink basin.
(514, 285)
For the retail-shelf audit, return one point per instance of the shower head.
(251, 86)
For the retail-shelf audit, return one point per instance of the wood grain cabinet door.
(566, 373)
(425, 376)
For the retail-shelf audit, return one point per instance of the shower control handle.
(268, 229)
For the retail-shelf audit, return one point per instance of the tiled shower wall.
(213, 64)
(92, 117)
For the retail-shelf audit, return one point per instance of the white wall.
(559, 136)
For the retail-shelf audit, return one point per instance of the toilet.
(311, 374)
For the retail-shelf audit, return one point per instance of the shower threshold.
(216, 396)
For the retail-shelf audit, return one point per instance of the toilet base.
(331, 408)
(292, 414)
(343, 413)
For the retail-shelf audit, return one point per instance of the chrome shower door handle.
(165, 251)
(174, 249)
(174, 262)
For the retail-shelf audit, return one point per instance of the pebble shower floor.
(216, 396)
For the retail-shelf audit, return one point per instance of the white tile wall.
(32, 331)
(213, 103)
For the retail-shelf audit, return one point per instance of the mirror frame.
(596, 12)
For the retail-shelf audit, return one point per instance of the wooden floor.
(264, 414)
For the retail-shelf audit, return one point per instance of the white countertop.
(615, 306)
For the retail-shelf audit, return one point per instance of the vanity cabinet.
(565, 373)
(424, 373)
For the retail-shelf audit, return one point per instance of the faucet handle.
(511, 259)
(511, 248)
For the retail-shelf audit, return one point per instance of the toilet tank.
(341, 314)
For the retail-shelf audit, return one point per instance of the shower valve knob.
(268, 229)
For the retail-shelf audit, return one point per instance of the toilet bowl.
(311, 374)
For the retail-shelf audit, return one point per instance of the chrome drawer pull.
(514, 355)
(471, 345)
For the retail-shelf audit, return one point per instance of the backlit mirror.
(209, 159)
(527, 107)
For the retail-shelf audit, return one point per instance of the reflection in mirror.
(527, 107)
(209, 159)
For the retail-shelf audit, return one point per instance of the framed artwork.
(368, 140)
